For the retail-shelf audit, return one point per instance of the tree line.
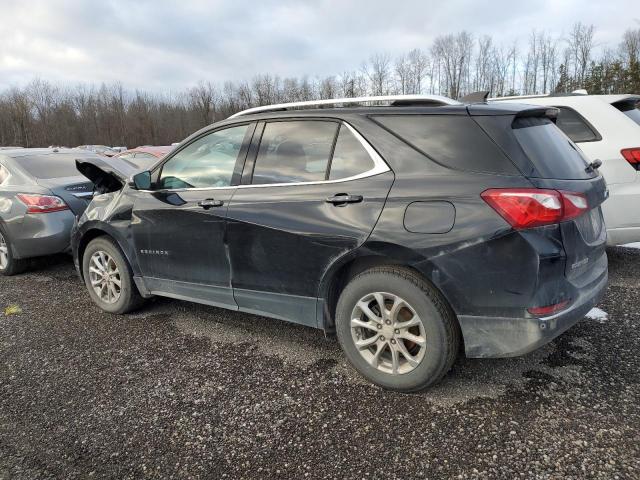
(42, 113)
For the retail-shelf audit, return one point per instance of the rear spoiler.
(548, 112)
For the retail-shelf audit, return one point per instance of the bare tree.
(378, 71)
(453, 52)
(580, 46)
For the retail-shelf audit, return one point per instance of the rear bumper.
(494, 337)
(41, 234)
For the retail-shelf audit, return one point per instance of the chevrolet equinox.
(413, 227)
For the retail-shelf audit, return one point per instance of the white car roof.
(543, 99)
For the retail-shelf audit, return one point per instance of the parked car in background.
(405, 228)
(145, 156)
(9, 148)
(41, 192)
(606, 128)
(99, 149)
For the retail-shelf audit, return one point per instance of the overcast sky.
(162, 45)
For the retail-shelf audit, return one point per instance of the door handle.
(344, 198)
(207, 203)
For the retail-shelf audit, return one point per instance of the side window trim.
(379, 165)
(157, 169)
(595, 132)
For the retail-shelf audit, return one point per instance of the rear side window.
(349, 157)
(575, 126)
(50, 166)
(454, 141)
(553, 154)
(296, 151)
(631, 109)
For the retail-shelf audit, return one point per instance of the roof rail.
(392, 100)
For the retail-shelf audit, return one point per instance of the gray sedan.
(41, 193)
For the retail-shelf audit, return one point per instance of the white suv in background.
(607, 128)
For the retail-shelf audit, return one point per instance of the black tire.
(438, 320)
(14, 265)
(129, 298)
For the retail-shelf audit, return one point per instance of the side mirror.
(142, 181)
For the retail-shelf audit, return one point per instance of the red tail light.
(632, 155)
(549, 309)
(534, 207)
(42, 203)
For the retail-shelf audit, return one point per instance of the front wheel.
(108, 277)
(396, 329)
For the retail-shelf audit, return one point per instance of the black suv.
(408, 229)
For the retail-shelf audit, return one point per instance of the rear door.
(312, 191)
(179, 226)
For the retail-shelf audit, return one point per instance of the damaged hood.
(107, 174)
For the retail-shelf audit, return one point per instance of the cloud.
(160, 45)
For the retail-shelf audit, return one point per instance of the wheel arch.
(368, 256)
(92, 232)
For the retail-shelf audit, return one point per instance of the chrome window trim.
(379, 166)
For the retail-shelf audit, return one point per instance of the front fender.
(109, 214)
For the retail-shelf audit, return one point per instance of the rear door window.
(349, 156)
(575, 126)
(553, 154)
(294, 151)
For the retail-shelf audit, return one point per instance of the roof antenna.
(476, 97)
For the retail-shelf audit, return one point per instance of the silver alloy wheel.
(4, 253)
(105, 277)
(388, 333)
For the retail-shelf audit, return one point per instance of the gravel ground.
(185, 391)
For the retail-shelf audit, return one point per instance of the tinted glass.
(454, 141)
(552, 153)
(630, 109)
(57, 165)
(574, 126)
(349, 157)
(207, 162)
(294, 152)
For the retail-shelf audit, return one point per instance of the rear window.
(631, 109)
(575, 127)
(553, 154)
(49, 166)
(454, 141)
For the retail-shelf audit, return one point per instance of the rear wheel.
(108, 277)
(8, 264)
(396, 329)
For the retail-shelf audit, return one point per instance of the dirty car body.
(285, 250)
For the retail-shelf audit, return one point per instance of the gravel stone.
(179, 390)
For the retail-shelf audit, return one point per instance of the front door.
(313, 193)
(179, 226)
